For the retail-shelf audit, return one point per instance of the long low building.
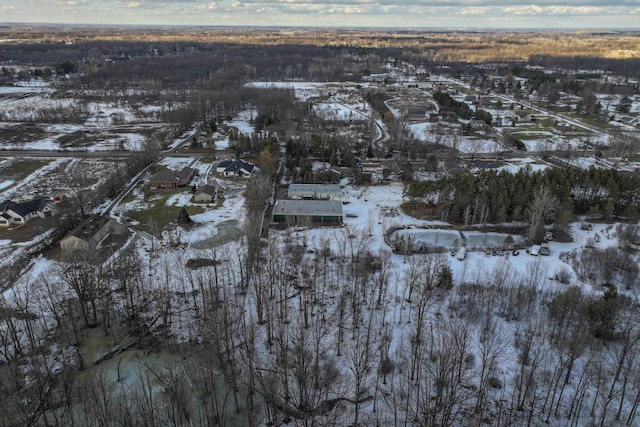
(314, 191)
(307, 211)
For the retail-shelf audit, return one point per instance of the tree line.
(497, 197)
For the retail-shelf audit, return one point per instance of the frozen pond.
(450, 239)
(421, 237)
(476, 239)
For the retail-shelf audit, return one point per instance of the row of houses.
(168, 179)
(13, 213)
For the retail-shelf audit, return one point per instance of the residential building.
(89, 233)
(22, 212)
(205, 193)
(236, 168)
(308, 211)
(314, 191)
(167, 179)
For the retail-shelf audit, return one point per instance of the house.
(308, 211)
(372, 168)
(89, 233)
(478, 125)
(314, 191)
(220, 167)
(5, 220)
(375, 169)
(167, 179)
(524, 117)
(236, 168)
(565, 130)
(205, 193)
(185, 175)
(21, 213)
(341, 171)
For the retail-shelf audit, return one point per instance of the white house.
(236, 168)
(21, 213)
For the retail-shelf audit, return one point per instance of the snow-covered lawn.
(514, 165)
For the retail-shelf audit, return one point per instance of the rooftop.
(89, 227)
(307, 207)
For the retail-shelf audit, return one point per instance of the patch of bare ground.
(20, 134)
(420, 210)
(30, 230)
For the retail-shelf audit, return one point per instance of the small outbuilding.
(205, 193)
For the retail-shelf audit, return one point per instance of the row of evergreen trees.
(496, 197)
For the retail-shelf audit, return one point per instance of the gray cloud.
(414, 13)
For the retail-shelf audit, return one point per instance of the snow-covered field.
(32, 119)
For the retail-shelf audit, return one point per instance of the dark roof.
(6, 204)
(225, 163)
(206, 189)
(25, 208)
(236, 165)
(89, 227)
(165, 175)
(185, 173)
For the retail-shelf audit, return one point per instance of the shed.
(205, 193)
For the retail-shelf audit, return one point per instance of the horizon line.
(326, 27)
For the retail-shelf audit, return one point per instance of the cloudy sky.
(344, 13)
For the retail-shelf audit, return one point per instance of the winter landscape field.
(464, 250)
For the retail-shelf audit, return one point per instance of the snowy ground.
(377, 210)
(516, 164)
(29, 115)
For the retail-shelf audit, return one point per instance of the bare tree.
(541, 210)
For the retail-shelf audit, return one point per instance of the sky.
(512, 14)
